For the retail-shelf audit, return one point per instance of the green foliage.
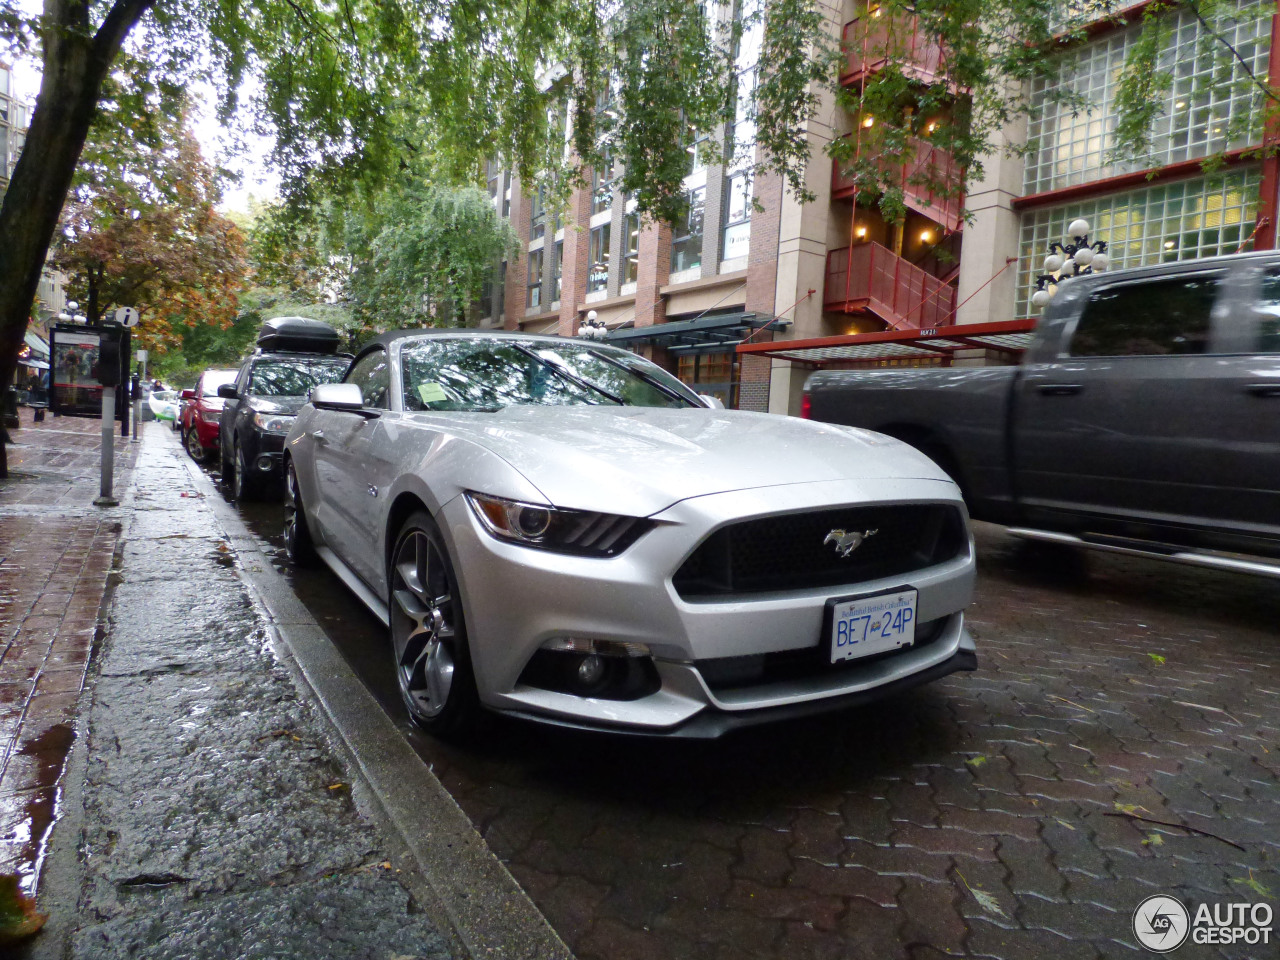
(425, 255)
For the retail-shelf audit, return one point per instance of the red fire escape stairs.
(871, 279)
(928, 165)
(871, 41)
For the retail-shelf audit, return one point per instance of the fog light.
(264, 463)
(590, 670)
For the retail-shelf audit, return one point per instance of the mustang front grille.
(825, 548)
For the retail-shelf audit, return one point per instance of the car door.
(1115, 428)
(351, 469)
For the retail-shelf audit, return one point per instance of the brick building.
(688, 294)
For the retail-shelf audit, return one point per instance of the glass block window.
(1199, 217)
(1200, 116)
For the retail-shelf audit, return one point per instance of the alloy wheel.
(423, 624)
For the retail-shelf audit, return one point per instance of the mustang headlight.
(273, 422)
(551, 528)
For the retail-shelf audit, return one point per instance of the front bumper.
(516, 599)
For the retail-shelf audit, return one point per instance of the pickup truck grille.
(792, 551)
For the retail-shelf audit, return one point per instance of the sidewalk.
(55, 553)
(204, 810)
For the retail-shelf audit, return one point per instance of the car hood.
(640, 460)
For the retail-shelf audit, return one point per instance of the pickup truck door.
(1126, 423)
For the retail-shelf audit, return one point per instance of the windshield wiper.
(569, 375)
(647, 378)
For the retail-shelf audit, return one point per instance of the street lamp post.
(592, 328)
(1078, 256)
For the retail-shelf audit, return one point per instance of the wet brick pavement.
(975, 817)
(55, 553)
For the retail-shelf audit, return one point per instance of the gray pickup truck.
(1145, 415)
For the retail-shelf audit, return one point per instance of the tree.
(426, 256)
(142, 231)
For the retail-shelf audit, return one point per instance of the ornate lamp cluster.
(71, 313)
(1077, 256)
(591, 328)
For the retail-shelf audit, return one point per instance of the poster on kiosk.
(75, 389)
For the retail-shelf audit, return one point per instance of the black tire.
(244, 485)
(429, 646)
(195, 450)
(297, 535)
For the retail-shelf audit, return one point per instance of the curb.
(491, 914)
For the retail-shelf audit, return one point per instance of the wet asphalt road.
(991, 814)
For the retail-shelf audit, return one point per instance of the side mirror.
(337, 396)
(188, 395)
(227, 391)
(715, 403)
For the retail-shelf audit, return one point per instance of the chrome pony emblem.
(846, 543)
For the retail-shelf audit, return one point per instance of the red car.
(202, 414)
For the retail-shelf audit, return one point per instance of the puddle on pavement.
(33, 812)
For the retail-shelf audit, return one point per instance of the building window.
(538, 214)
(598, 270)
(1199, 217)
(686, 240)
(557, 268)
(1200, 117)
(737, 217)
(631, 247)
(535, 278)
(708, 373)
(602, 185)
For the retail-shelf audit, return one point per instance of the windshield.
(213, 379)
(294, 377)
(489, 374)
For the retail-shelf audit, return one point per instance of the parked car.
(1144, 416)
(562, 531)
(294, 354)
(201, 414)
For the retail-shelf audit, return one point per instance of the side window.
(372, 375)
(1147, 319)
(1267, 311)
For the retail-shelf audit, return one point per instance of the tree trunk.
(76, 61)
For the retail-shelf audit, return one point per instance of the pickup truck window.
(1268, 312)
(1147, 319)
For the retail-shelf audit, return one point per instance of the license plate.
(863, 626)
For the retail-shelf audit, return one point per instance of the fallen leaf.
(1254, 885)
(336, 786)
(1153, 840)
(976, 761)
(1064, 823)
(19, 918)
(1157, 658)
(985, 900)
(1131, 808)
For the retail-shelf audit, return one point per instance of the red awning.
(930, 343)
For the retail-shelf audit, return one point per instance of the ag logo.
(1161, 923)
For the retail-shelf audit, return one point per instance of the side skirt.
(355, 585)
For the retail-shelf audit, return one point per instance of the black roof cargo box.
(298, 334)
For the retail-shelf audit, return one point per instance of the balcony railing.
(886, 286)
(927, 166)
(871, 41)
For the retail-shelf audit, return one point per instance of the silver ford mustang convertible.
(563, 531)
